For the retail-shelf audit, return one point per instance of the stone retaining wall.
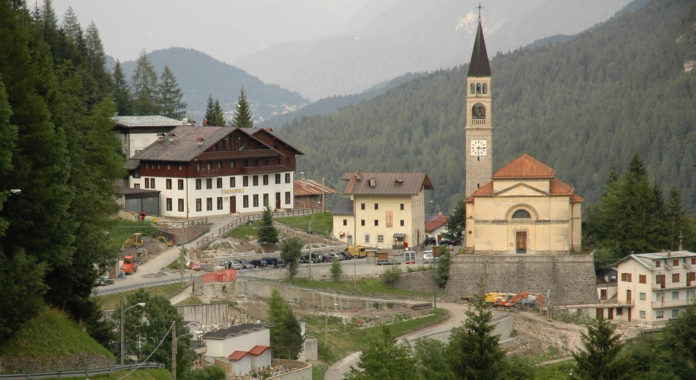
(416, 281)
(570, 279)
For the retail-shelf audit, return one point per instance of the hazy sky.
(224, 29)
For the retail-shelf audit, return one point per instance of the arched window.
(478, 111)
(473, 89)
(485, 88)
(478, 88)
(521, 214)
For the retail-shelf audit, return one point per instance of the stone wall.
(297, 370)
(416, 281)
(570, 279)
(54, 363)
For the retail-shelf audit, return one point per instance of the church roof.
(528, 167)
(525, 166)
(479, 65)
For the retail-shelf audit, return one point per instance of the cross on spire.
(479, 8)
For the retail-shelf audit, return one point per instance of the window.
(693, 260)
(376, 222)
(660, 314)
(380, 238)
(675, 263)
(675, 313)
(642, 278)
(642, 314)
(152, 183)
(287, 177)
(232, 183)
(198, 183)
(675, 277)
(642, 296)
(198, 166)
(158, 166)
(345, 222)
(362, 206)
(376, 206)
(181, 167)
(265, 179)
(401, 222)
(265, 200)
(208, 183)
(277, 179)
(232, 163)
(209, 204)
(603, 294)
(209, 165)
(675, 295)
(147, 183)
(168, 183)
(485, 88)
(219, 165)
(472, 89)
(136, 185)
(626, 277)
(256, 200)
(169, 204)
(287, 197)
(245, 201)
(658, 264)
(219, 183)
(660, 279)
(619, 311)
(245, 181)
(181, 205)
(362, 222)
(401, 206)
(256, 180)
(219, 203)
(180, 184)
(199, 204)
(367, 238)
(521, 214)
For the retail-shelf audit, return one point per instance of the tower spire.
(479, 8)
(479, 65)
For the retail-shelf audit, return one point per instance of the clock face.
(478, 147)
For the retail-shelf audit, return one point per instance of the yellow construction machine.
(134, 241)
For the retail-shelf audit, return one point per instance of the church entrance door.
(521, 237)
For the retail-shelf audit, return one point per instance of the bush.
(336, 269)
(391, 276)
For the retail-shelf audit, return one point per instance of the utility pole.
(434, 291)
(123, 338)
(322, 195)
(355, 246)
(173, 350)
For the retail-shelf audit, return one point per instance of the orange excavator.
(514, 302)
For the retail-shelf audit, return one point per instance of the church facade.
(522, 208)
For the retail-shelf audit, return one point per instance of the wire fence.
(80, 372)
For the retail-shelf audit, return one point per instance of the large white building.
(205, 171)
(658, 286)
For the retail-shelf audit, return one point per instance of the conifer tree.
(290, 251)
(170, 98)
(120, 91)
(71, 26)
(675, 218)
(382, 358)
(213, 112)
(242, 115)
(144, 86)
(456, 223)
(286, 334)
(601, 359)
(267, 233)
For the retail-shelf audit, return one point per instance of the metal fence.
(243, 219)
(80, 372)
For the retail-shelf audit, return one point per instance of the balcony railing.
(478, 121)
(672, 303)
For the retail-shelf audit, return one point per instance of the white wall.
(246, 342)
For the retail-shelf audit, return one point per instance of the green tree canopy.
(382, 359)
(456, 223)
(144, 86)
(267, 233)
(242, 114)
(170, 99)
(286, 334)
(121, 92)
(601, 359)
(290, 252)
(213, 112)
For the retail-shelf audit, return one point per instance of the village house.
(206, 171)
(310, 194)
(389, 208)
(137, 132)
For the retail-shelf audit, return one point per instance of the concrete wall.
(570, 279)
(206, 314)
(298, 370)
(416, 281)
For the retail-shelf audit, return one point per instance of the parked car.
(233, 265)
(274, 262)
(429, 241)
(428, 257)
(334, 255)
(346, 255)
(247, 264)
(315, 258)
(259, 263)
(104, 280)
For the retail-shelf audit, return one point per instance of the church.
(522, 208)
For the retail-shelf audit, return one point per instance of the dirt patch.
(536, 336)
(153, 247)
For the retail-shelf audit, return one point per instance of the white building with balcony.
(658, 286)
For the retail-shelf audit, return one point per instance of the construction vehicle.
(384, 259)
(513, 303)
(492, 296)
(129, 266)
(134, 241)
(358, 252)
(166, 238)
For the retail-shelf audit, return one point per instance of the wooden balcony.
(227, 155)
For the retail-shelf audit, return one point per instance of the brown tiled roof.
(255, 131)
(310, 187)
(258, 350)
(386, 183)
(525, 166)
(237, 355)
(435, 223)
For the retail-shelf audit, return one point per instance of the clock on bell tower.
(479, 130)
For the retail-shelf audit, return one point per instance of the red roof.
(310, 187)
(237, 355)
(258, 350)
(435, 223)
(525, 166)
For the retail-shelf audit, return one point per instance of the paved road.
(441, 331)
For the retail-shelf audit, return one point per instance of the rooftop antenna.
(479, 8)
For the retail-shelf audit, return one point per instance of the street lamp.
(123, 321)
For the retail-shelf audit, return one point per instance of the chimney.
(171, 138)
(160, 137)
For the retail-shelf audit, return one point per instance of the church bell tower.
(479, 130)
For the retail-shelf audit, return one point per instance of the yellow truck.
(358, 252)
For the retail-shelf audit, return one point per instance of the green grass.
(120, 229)
(322, 223)
(52, 333)
(368, 286)
(556, 371)
(344, 339)
(111, 301)
(141, 374)
(245, 231)
(318, 371)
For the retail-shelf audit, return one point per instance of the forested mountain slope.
(618, 88)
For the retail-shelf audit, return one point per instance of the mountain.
(416, 36)
(334, 103)
(625, 86)
(199, 75)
